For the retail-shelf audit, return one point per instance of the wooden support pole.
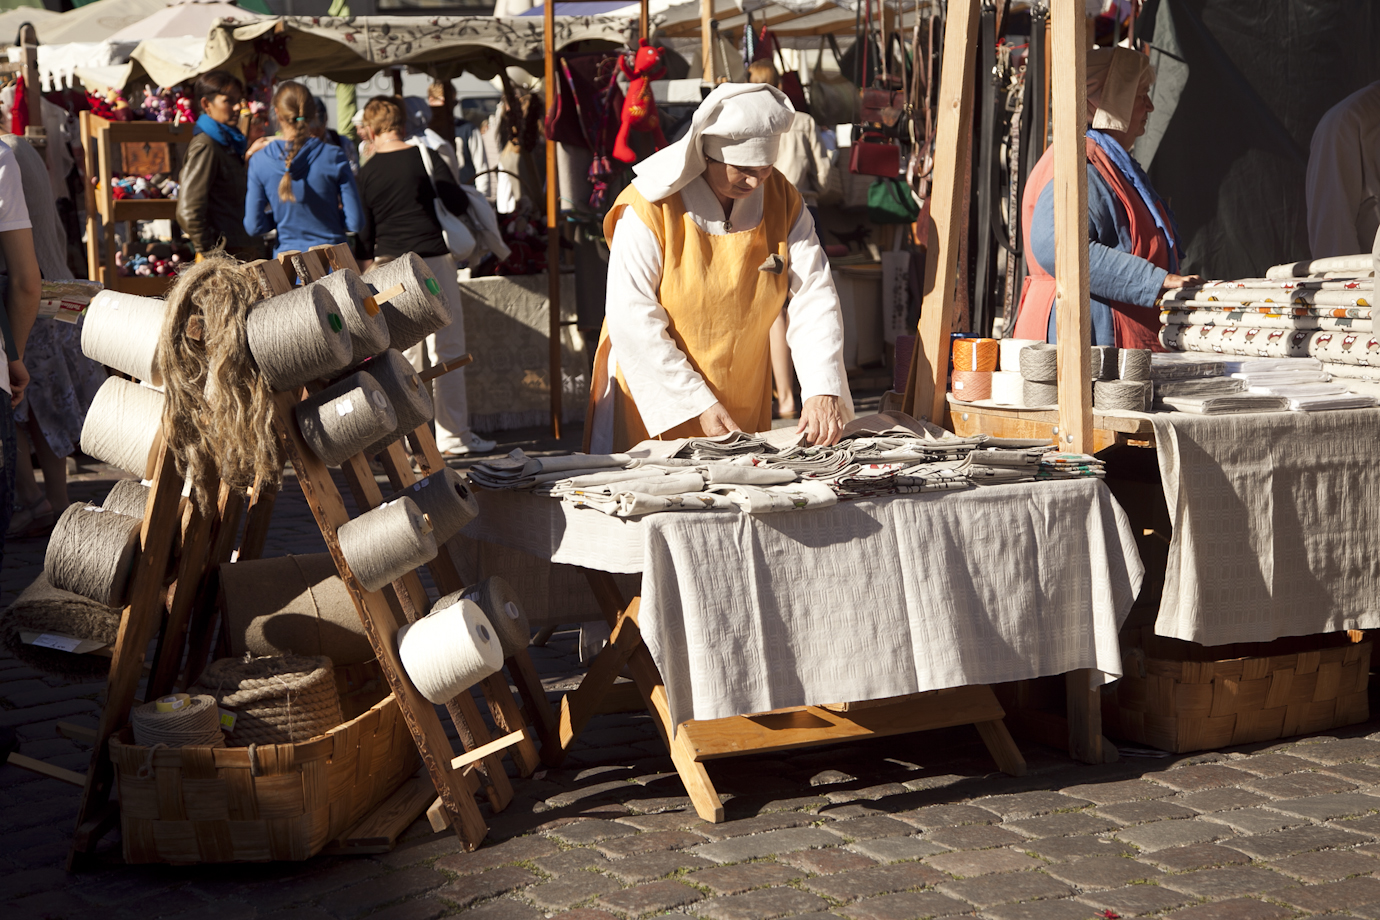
(644, 19)
(929, 368)
(36, 134)
(553, 236)
(707, 40)
(1072, 319)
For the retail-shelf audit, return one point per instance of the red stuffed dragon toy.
(639, 108)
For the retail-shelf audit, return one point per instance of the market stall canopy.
(11, 20)
(681, 18)
(189, 17)
(353, 49)
(95, 22)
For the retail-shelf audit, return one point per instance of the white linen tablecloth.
(864, 600)
(1276, 524)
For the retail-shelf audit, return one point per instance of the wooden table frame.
(696, 741)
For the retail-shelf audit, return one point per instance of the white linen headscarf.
(738, 123)
(1115, 77)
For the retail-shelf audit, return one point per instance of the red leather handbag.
(873, 154)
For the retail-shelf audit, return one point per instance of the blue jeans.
(11, 457)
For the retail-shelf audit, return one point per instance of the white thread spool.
(387, 543)
(405, 390)
(446, 499)
(500, 604)
(128, 496)
(91, 552)
(1010, 354)
(449, 650)
(1008, 388)
(298, 337)
(419, 310)
(353, 297)
(122, 331)
(123, 424)
(340, 420)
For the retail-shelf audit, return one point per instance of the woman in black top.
(400, 217)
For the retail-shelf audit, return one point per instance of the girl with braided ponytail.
(299, 184)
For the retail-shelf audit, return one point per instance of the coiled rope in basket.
(275, 700)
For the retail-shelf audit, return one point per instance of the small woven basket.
(1180, 697)
(259, 803)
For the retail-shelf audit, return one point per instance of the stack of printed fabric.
(1060, 465)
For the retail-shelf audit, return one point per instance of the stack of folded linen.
(1223, 405)
(1062, 465)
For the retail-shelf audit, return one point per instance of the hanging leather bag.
(874, 154)
(890, 201)
(833, 97)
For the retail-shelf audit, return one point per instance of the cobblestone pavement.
(898, 829)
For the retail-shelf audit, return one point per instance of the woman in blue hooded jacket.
(300, 185)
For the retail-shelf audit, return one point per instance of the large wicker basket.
(1178, 696)
(274, 801)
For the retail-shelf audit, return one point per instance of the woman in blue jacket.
(300, 185)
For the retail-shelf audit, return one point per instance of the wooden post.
(707, 40)
(1072, 321)
(553, 236)
(36, 134)
(644, 21)
(929, 368)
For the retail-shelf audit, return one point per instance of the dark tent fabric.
(1241, 85)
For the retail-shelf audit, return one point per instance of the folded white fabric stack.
(1222, 405)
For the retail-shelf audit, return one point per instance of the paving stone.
(818, 915)
(1328, 866)
(1333, 752)
(870, 828)
(1346, 894)
(826, 862)
(1362, 774)
(763, 904)
(1062, 849)
(583, 913)
(1030, 804)
(948, 816)
(737, 879)
(866, 883)
(1297, 840)
(1369, 825)
(1329, 807)
(907, 905)
(1065, 824)
(569, 890)
(650, 842)
(653, 866)
(973, 837)
(1271, 764)
(394, 886)
(1229, 882)
(1063, 909)
(1299, 785)
(831, 778)
(1210, 800)
(654, 897)
(1255, 820)
(1199, 777)
(1135, 900)
(1179, 833)
(1103, 872)
(755, 846)
(1235, 909)
(480, 886)
(491, 856)
(415, 909)
(1144, 812)
(503, 909)
(586, 793)
(567, 861)
(991, 890)
(970, 863)
(1129, 790)
(591, 830)
(756, 825)
(896, 849)
(672, 821)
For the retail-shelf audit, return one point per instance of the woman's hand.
(1174, 282)
(19, 379)
(715, 421)
(258, 145)
(821, 420)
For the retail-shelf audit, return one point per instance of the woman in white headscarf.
(705, 247)
(1133, 245)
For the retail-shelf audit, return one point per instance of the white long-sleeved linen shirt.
(1344, 176)
(666, 388)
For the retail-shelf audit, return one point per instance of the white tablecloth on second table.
(863, 600)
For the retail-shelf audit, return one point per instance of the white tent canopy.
(186, 18)
(95, 22)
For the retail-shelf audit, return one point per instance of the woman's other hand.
(1174, 282)
(715, 421)
(821, 420)
(258, 145)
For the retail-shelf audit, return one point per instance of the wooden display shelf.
(967, 420)
(140, 285)
(122, 209)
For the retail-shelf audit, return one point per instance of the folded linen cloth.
(1199, 386)
(1221, 405)
(676, 484)
(518, 470)
(636, 504)
(721, 473)
(1183, 365)
(1320, 403)
(733, 444)
(799, 496)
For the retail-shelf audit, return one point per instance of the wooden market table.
(967, 419)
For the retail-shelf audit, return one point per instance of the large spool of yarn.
(419, 310)
(298, 337)
(976, 354)
(1040, 363)
(123, 424)
(405, 390)
(446, 499)
(496, 597)
(1011, 353)
(387, 543)
(345, 417)
(178, 721)
(1104, 362)
(1122, 395)
(449, 650)
(1038, 393)
(41, 609)
(292, 605)
(275, 700)
(1008, 388)
(123, 331)
(970, 386)
(1133, 363)
(91, 552)
(353, 299)
(128, 496)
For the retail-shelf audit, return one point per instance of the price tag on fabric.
(227, 720)
(61, 643)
